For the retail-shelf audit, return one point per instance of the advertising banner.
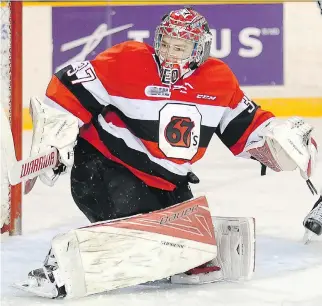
(248, 37)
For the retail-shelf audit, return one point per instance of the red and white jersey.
(157, 131)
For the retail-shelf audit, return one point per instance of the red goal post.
(11, 101)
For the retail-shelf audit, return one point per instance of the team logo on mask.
(157, 91)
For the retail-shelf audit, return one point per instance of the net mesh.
(5, 54)
(5, 104)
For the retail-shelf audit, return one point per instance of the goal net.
(11, 112)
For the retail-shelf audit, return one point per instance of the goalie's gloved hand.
(286, 145)
(51, 176)
(66, 161)
(295, 137)
(53, 128)
(60, 169)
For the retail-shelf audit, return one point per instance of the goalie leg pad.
(236, 247)
(235, 260)
(135, 250)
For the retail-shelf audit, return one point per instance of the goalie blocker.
(168, 243)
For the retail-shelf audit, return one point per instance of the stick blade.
(29, 185)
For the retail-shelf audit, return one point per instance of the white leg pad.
(111, 255)
(236, 247)
(236, 253)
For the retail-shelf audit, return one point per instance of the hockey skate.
(45, 281)
(313, 222)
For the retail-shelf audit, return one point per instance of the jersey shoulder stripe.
(60, 94)
(67, 89)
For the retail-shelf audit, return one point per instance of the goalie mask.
(182, 43)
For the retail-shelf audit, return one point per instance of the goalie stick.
(30, 168)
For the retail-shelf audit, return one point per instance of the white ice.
(288, 273)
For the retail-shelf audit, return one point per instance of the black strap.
(263, 169)
(311, 187)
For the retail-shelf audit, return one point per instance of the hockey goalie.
(129, 124)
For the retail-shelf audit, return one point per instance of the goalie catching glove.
(285, 146)
(53, 128)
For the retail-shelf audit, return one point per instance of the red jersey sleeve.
(240, 120)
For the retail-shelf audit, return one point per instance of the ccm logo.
(206, 97)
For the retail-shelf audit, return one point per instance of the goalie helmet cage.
(11, 101)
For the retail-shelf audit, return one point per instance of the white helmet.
(189, 28)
